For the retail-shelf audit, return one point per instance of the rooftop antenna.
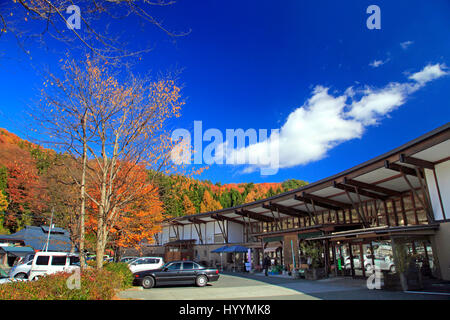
(49, 230)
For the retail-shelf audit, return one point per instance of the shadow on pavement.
(339, 288)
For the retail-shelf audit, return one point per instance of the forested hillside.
(33, 181)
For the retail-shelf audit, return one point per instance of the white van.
(145, 263)
(51, 262)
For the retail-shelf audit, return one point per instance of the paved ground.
(255, 287)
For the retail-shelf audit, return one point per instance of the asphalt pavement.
(258, 287)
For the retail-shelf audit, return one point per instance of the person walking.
(266, 265)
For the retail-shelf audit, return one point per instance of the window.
(59, 260)
(218, 238)
(42, 260)
(190, 265)
(175, 266)
(74, 260)
(150, 261)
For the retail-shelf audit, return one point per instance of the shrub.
(122, 270)
(95, 285)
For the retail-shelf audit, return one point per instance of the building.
(32, 239)
(355, 218)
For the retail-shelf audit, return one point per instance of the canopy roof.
(36, 238)
(236, 249)
(378, 178)
(17, 251)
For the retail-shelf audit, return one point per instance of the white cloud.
(377, 63)
(430, 72)
(406, 44)
(325, 120)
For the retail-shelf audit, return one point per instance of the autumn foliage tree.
(119, 122)
(188, 206)
(209, 204)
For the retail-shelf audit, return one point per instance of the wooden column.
(361, 257)
(350, 251)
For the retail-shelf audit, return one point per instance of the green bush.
(95, 285)
(122, 270)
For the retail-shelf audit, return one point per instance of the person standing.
(266, 265)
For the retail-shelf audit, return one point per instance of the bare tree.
(117, 127)
(51, 18)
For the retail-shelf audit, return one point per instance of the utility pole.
(49, 230)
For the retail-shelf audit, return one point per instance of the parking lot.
(256, 287)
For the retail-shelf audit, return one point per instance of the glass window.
(74, 260)
(188, 266)
(175, 266)
(59, 260)
(42, 260)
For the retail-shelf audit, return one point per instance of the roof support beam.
(355, 189)
(313, 218)
(223, 229)
(320, 204)
(175, 230)
(198, 228)
(285, 210)
(254, 215)
(222, 218)
(402, 169)
(357, 209)
(196, 220)
(416, 162)
(323, 202)
(371, 187)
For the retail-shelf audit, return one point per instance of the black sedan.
(177, 272)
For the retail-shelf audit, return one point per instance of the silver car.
(21, 271)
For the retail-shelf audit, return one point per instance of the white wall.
(165, 235)
(188, 231)
(235, 232)
(443, 179)
(209, 235)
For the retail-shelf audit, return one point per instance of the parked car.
(51, 262)
(5, 278)
(177, 272)
(382, 262)
(127, 259)
(145, 263)
(21, 271)
(23, 260)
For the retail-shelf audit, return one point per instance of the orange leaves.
(208, 203)
(139, 217)
(188, 206)
(3, 202)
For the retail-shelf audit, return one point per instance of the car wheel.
(201, 281)
(148, 282)
(21, 276)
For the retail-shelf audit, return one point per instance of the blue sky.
(252, 64)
